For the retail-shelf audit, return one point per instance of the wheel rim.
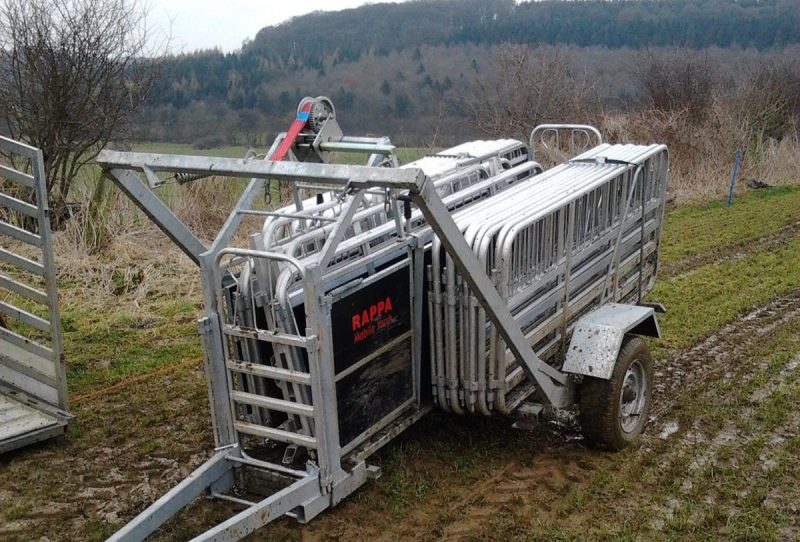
(632, 398)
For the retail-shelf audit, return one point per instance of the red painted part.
(294, 130)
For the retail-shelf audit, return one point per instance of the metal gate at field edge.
(33, 389)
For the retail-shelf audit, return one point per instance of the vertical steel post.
(216, 373)
(51, 282)
(417, 255)
(320, 358)
(567, 269)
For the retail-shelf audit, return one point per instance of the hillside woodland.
(706, 77)
(406, 69)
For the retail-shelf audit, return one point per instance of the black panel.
(369, 318)
(371, 392)
(362, 323)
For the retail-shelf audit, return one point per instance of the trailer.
(33, 393)
(472, 281)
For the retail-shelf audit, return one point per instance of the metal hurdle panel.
(451, 170)
(33, 391)
(569, 138)
(455, 358)
(610, 254)
(364, 242)
(370, 256)
(586, 233)
(362, 257)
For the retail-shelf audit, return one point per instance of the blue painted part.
(734, 175)
(303, 115)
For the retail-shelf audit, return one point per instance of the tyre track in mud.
(106, 493)
(702, 448)
(686, 371)
(547, 479)
(686, 266)
(540, 482)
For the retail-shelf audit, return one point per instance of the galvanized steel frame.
(28, 368)
(353, 180)
(323, 484)
(422, 193)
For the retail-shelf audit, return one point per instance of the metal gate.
(33, 393)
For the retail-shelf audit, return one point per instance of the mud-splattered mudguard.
(598, 337)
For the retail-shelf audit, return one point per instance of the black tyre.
(613, 412)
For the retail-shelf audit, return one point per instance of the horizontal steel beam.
(268, 336)
(299, 216)
(346, 146)
(28, 344)
(24, 290)
(20, 234)
(18, 147)
(24, 316)
(20, 261)
(280, 435)
(17, 176)
(10, 202)
(336, 174)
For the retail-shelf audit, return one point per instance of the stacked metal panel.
(557, 244)
(450, 169)
(555, 249)
(269, 293)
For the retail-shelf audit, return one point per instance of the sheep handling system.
(471, 280)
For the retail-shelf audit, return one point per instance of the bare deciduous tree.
(677, 80)
(72, 72)
(526, 86)
(769, 101)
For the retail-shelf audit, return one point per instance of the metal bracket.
(152, 178)
(656, 306)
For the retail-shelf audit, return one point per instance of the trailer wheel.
(613, 412)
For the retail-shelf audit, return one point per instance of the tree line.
(381, 28)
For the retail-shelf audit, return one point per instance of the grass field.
(718, 460)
